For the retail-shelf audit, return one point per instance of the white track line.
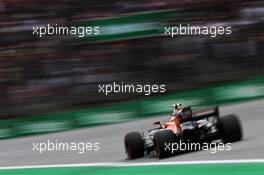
(116, 164)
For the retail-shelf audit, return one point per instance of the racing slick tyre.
(134, 145)
(162, 142)
(230, 127)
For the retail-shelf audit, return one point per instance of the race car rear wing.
(199, 115)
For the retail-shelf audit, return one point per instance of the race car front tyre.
(134, 145)
(162, 142)
(230, 128)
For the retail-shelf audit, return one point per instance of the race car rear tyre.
(230, 128)
(162, 142)
(134, 145)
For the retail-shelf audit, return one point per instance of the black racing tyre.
(134, 145)
(162, 139)
(230, 128)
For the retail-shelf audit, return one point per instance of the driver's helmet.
(177, 107)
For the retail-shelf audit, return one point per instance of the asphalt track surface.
(18, 151)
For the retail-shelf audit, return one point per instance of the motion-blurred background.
(54, 73)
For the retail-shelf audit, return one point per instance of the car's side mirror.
(157, 123)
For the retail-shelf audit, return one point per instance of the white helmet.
(176, 107)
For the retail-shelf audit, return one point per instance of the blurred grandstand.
(57, 73)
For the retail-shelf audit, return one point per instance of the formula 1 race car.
(203, 126)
